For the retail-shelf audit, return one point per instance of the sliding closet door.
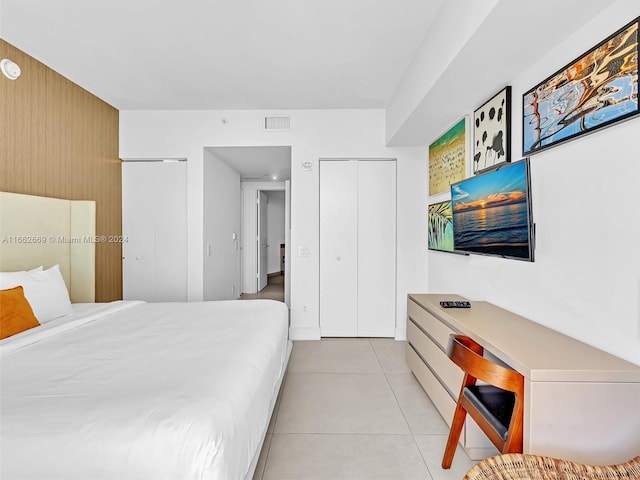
(338, 248)
(357, 248)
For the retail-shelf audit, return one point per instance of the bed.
(131, 390)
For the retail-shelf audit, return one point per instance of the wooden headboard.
(47, 231)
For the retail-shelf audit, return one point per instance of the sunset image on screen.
(491, 213)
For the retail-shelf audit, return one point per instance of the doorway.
(257, 168)
(271, 244)
(266, 203)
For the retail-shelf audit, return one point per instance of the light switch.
(303, 252)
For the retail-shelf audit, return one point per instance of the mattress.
(135, 390)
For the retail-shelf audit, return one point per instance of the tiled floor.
(350, 409)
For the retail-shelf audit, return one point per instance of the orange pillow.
(15, 312)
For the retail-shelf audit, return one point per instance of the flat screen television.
(492, 213)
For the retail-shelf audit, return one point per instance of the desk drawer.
(476, 444)
(447, 371)
(436, 329)
(432, 386)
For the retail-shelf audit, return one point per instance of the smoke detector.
(10, 69)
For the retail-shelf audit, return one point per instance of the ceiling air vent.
(277, 123)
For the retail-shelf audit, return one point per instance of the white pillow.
(12, 279)
(44, 289)
(5, 275)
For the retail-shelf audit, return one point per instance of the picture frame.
(492, 132)
(448, 157)
(594, 91)
(440, 220)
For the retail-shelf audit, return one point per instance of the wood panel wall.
(58, 140)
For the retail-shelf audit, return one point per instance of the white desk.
(581, 403)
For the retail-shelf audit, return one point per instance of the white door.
(338, 248)
(138, 230)
(154, 224)
(357, 248)
(376, 248)
(263, 247)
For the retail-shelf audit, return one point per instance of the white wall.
(275, 229)
(221, 214)
(585, 281)
(316, 134)
(586, 278)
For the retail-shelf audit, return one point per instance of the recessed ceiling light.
(275, 177)
(10, 69)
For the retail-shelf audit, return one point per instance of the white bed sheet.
(142, 391)
(82, 313)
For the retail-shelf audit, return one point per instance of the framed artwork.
(441, 226)
(492, 132)
(596, 90)
(448, 158)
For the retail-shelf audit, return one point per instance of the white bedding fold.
(62, 324)
(153, 391)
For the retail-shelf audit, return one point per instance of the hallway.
(273, 291)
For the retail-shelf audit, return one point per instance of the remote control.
(455, 304)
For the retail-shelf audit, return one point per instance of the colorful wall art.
(492, 213)
(596, 90)
(441, 226)
(492, 132)
(448, 158)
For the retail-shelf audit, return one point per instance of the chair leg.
(454, 435)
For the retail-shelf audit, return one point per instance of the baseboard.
(304, 333)
(401, 333)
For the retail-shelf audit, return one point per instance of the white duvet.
(142, 391)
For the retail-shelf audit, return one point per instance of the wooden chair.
(496, 407)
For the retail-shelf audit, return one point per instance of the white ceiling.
(257, 164)
(224, 54)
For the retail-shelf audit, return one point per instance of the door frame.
(262, 277)
(249, 233)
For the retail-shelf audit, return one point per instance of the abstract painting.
(441, 226)
(596, 90)
(492, 132)
(448, 158)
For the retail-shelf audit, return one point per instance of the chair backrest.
(487, 405)
(467, 354)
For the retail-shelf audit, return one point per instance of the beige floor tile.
(273, 291)
(418, 410)
(276, 407)
(339, 403)
(334, 356)
(344, 457)
(432, 448)
(257, 475)
(391, 354)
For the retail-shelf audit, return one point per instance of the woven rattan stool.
(518, 466)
